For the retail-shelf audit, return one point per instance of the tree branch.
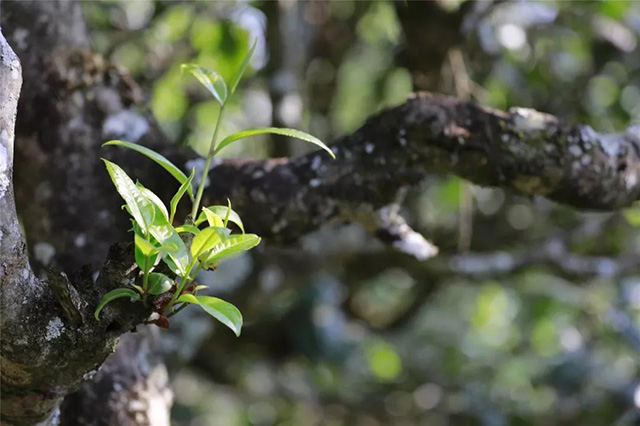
(524, 150)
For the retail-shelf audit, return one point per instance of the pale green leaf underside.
(223, 311)
(276, 131)
(159, 283)
(209, 79)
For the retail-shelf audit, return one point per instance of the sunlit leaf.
(205, 240)
(139, 206)
(154, 199)
(231, 245)
(223, 211)
(276, 131)
(145, 250)
(116, 294)
(188, 228)
(161, 160)
(173, 250)
(212, 218)
(209, 79)
(223, 311)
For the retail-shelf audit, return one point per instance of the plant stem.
(183, 283)
(145, 276)
(170, 314)
(207, 164)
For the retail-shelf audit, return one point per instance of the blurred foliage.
(346, 332)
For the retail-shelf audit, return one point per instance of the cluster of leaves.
(202, 240)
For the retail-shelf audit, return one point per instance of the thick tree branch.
(524, 150)
(50, 341)
(76, 100)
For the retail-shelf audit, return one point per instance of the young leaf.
(145, 250)
(205, 240)
(223, 211)
(231, 245)
(209, 79)
(223, 311)
(238, 76)
(146, 247)
(174, 251)
(226, 216)
(159, 283)
(154, 199)
(212, 218)
(188, 228)
(116, 294)
(277, 131)
(161, 160)
(176, 198)
(139, 206)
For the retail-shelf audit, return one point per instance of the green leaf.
(172, 248)
(209, 79)
(188, 228)
(145, 250)
(238, 76)
(277, 131)
(226, 216)
(116, 294)
(223, 211)
(186, 186)
(223, 311)
(205, 240)
(159, 283)
(212, 218)
(161, 160)
(175, 253)
(146, 247)
(230, 246)
(139, 206)
(154, 199)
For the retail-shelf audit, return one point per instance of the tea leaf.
(186, 186)
(223, 311)
(139, 206)
(277, 131)
(113, 295)
(238, 76)
(209, 79)
(160, 159)
(159, 283)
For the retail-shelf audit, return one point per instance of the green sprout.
(203, 239)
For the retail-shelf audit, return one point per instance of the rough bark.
(50, 341)
(524, 150)
(77, 100)
(131, 388)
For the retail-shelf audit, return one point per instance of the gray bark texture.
(75, 100)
